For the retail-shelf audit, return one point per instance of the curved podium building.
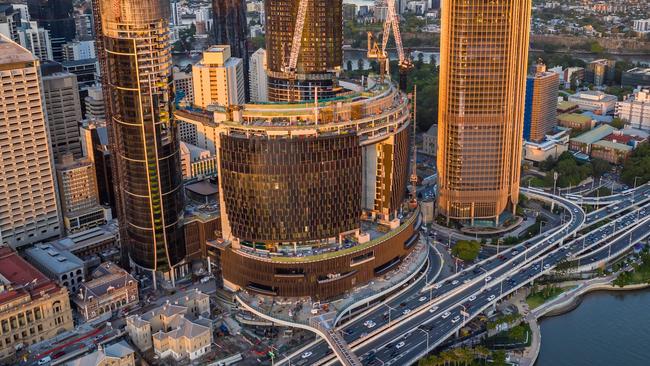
(312, 195)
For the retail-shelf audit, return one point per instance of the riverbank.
(562, 304)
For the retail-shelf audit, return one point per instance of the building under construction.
(312, 188)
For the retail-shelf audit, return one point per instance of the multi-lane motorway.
(403, 328)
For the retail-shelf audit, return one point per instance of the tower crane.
(405, 64)
(296, 43)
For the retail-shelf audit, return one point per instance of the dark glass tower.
(321, 50)
(136, 67)
(230, 28)
(57, 17)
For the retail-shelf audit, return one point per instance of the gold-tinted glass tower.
(134, 53)
(483, 53)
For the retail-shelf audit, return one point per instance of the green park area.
(540, 296)
(517, 336)
(465, 356)
(467, 250)
(637, 273)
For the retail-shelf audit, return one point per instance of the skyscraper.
(57, 16)
(218, 78)
(321, 49)
(483, 58)
(28, 207)
(257, 79)
(230, 28)
(137, 70)
(63, 107)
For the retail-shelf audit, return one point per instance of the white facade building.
(29, 211)
(218, 78)
(37, 41)
(641, 26)
(257, 79)
(635, 110)
(79, 50)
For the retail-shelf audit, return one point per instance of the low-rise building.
(430, 140)
(179, 330)
(610, 151)
(575, 121)
(594, 100)
(635, 109)
(32, 307)
(116, 354)
(59, 265)
(583, 142)
(552, 147)
(110, 289)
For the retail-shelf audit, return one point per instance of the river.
(607, 329)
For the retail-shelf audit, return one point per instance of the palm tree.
(482, 352)
(431, 360)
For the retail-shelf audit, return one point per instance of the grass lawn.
(538, 298)
(533, 182)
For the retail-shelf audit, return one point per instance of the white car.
(44, 360)
(306, 354)
(422, 298)
(455, 320)
(454, 282)
(491, 297)
(406, 311)
(472, 298)
(437, 286)
(371, 325)
(433, 309)
(400, 345)
(446, 315)
(547, 266)
(488, 278)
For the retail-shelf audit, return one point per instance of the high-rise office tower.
(218, 78)
(321, 49)
(63, 107)
(483, 58)
(57, 16)
(136, 67)
(257, 77)
(230, 28)
(28, 208)
(540, 115)
(9, 21)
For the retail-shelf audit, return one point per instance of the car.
(455, 320)
(466, 281)
(514, 252)
(446, 315)
(306, 354)
(367, 322)
(472, 298)
(455, 282)
(491, 297)
(406, 311)
(567, 246)
(488, 278)
(433, 309)
(371, 325)
(547, 266)
(422, 298)
(58, 355)
(45, 360)
(437, 286)
(400, 345)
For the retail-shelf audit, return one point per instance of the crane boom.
(297, 35)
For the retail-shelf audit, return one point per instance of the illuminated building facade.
(137, 70)
(484, 51)
(540, 115)
(321, 50)
(230, 28)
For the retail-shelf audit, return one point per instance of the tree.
(600, 167)
(466, 250)
(618, 123)
(637, 166)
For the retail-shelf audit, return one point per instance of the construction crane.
(296, 43)
(405, 64)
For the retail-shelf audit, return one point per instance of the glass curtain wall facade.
(137, 76)
(321, 51)
(484, 52)
(57, 17)
(230, 28)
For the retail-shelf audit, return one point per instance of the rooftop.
(594, 135)
(613, 145)
(19, 278)
(639, 70)
(574, 117)
(117, 350)
(107, 276)
(11, 52)
(565, 106)
(55, 260)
